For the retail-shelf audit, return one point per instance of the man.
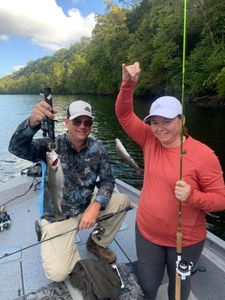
(85, 163)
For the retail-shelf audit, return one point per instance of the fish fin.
(59, 217)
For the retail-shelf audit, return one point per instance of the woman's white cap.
(166, 106)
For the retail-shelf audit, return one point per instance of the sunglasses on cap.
(77, 122)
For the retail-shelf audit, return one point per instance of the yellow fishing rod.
(183, 268)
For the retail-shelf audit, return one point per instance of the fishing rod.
(183, 268)
(50, 122)
(96, 232)
(48, 126)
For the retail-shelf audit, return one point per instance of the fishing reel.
(184, 268)
(48, 126)
(5, 221)
(98, 232)
(32, 171)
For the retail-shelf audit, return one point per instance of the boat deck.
(22, 273)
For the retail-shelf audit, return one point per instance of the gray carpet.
(53, 291)
(132, 290)
(59, 291)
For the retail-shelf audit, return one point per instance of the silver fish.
(126, 156)
(55, 182)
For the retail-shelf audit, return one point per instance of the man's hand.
(41, 111)
(182, 190)
(90, 215)
(131, 72)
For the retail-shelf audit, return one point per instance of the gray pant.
(152, 260)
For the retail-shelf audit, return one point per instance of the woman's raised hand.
(131, 72)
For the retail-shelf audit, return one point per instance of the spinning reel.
(5, 221)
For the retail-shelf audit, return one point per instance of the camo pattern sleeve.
(106, 181)
(24, 146)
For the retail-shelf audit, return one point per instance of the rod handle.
(178, 287)
(50, 122)
(179, 242)
(48, 95)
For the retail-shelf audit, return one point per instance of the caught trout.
(126, 156)
(55, 182)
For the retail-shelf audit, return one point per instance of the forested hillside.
(148, 31)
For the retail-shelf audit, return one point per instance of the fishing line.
(18, 196)
(100, 219)
(179, 228)
(29, 188)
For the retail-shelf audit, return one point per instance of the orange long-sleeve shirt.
(157, 214)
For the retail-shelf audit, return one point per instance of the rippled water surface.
(204, 124)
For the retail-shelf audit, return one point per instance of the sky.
(31, 29)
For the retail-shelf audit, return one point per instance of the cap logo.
(87, 109)
(158, 106)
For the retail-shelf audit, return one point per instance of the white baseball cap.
(79, 108)
(166, 106)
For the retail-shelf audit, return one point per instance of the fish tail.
(58, 214)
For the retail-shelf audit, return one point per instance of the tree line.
(148, 31)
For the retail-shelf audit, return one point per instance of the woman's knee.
(149, 281)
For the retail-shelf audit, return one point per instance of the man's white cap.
(79, 108)
(166, 106)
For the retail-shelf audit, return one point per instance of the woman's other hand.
(182, 190)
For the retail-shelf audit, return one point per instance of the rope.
(179, 228)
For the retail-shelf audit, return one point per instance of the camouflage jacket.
(82, 170)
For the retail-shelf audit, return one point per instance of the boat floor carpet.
(59, 291)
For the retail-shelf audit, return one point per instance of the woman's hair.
(185, 129)
(68, 113)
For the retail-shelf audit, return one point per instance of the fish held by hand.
(55, 182)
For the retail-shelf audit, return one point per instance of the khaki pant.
(59, 255)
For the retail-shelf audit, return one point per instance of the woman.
(202, 189)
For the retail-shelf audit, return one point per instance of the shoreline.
(208, 101)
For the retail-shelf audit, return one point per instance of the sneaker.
(101, 252)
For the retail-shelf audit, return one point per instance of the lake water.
(204, 124)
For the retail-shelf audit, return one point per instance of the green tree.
(108, 50)
(148, 31)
